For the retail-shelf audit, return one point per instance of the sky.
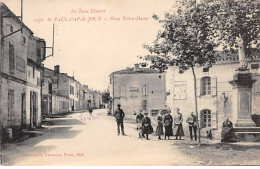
(93, 48)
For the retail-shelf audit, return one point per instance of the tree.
(106, 96)
(186, 40)
(236, 24)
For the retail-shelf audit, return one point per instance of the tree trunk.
(196, 103)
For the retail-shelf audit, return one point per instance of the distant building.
(214, 93)
(138, 88)
(53, 102)
(98, 103)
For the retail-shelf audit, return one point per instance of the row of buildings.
(218, 98)
(62, 93)
(28, 90)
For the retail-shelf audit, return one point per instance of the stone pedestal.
(242, 93)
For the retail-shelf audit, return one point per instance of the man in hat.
(119, 115)
(192, 125)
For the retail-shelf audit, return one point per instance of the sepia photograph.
(130, 83)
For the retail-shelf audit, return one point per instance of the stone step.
(246, 129)
(245, 136)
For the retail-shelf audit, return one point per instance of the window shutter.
(198, 87)
(145, 90)
(214, 86)
(214, 122)
(201, 120)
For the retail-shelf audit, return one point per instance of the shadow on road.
(52, 129)
(62, 121)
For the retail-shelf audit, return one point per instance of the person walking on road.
(139, 119)
(119, 115)
(192, 120)
(90, 111)
(147, 127)
(178, 124)
(168, 125)
(159, 130)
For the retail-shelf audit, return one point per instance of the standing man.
(192, 125)
(90, 111)
(119, 115)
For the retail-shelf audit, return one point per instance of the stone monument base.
(245, 134)
(245, 123)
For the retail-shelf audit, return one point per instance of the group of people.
(166, 124)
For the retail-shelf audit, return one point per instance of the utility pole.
(1, 62)
(52, 47)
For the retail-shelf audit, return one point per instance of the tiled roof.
(139, 71)
(224, 58)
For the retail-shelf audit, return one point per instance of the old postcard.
(129, 83)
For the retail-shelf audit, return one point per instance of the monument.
(244, 127)
(242, 91)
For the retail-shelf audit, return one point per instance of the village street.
(79, 139)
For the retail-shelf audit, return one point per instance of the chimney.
(136, 68)
(56, 69)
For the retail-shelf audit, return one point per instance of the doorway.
(33, 109)
(23, 111)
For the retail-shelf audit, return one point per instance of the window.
(29, 73)
(11, 58)
(38, 81)
(144, 105)
(134, 89)
(71, 89)
(50, 88)
(145, 90)
(10, 104)
(206, 118)
(20, 64)
(206, 86)
(11, 29)
(33, 72)
(38, 51)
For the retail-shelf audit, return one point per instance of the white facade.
(214, 93)
(134, 90)
(33, 97)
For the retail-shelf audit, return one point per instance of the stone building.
(36, 54)
(138, 88)
(87, 98)
(97, 99)
(20, 72)
(57, 92)
(215, 94)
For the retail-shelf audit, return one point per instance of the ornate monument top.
(241, 54)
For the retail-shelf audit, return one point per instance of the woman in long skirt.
(159, 130)
(168, 125)
(147, 127)
(178, 123)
